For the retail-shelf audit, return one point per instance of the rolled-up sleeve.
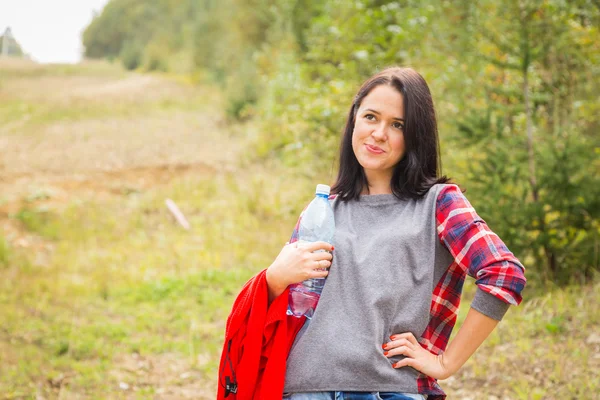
(499, 275)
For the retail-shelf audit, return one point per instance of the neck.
(375, 191)
(377, 186)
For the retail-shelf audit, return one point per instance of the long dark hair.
(420, 167)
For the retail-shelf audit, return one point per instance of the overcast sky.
(49, 30)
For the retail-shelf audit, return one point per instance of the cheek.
(359, 132)
(397, 144)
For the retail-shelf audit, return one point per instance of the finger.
(406, 335)
(405, 362)
(398, 343)
(316, 264)
(400, 351)
(319, 274)
(320, 245)
(321, 255)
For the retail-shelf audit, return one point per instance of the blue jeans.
(353, 396)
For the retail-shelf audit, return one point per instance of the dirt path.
(96, 132)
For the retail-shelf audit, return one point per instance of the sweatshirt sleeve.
(497, 272)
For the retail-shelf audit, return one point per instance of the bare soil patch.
(170, 376)
(50, 163)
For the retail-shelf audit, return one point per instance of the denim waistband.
(353, 396)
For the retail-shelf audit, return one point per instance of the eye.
(398, 125)
(370, 115)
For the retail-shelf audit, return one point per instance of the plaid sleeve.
(477, 249)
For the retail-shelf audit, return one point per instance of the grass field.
(103, 295)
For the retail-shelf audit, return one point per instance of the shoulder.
(451, 202)
(444, 194)
(448, 194)
(442, 189)
(333, 199)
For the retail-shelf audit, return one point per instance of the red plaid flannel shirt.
(478, 252)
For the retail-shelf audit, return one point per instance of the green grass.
(4, 253)
(18, 68)
(124, 278)
(540, 350)
(38, 221)
(32, 116)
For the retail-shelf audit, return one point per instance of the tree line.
(515, 83)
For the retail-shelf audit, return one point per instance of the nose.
(380, 133)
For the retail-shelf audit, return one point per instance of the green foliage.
(223, 38)
(241, 92)
(155, 60)
(547, 187)
(131, 55)
(137, 31)
(515, 86)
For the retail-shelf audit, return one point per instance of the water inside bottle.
(302, 303)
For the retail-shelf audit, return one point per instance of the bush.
(155, 56)
(242, 92)
(131, 55)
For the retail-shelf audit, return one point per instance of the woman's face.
(378, 136)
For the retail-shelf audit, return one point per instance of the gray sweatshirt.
(387, 260)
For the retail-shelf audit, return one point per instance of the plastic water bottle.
(317, 224)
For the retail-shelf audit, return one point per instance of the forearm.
(274, 288)
(297, 264)
(474, 330)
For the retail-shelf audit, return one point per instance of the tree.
(533, 149)
(9, 46)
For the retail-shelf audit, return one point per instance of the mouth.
(374, 149)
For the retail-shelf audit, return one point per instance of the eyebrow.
(378, 113)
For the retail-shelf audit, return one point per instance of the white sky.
(49, 30)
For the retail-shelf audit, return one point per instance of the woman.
(405, 240)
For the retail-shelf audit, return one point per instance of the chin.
(372, 166)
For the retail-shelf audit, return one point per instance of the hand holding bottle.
(298, 262)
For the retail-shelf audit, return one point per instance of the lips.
(374, 149)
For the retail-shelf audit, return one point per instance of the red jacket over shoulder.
(258, 339)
